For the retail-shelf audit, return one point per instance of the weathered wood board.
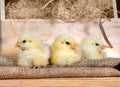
(63, 82)
(48, 30)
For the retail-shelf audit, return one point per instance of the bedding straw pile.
(58, 9)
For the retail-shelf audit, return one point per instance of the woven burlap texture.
(84, 68)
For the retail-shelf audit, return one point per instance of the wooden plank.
(12, 29)
(115, 9)
(66, 82)
(2, 6)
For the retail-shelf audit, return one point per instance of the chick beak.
(17, 44)
(74, 46)
(102, 47)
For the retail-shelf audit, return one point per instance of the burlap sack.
(59, 72)
(84, 68)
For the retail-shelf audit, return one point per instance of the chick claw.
(36, 67)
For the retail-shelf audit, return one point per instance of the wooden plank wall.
(2, 9)
(115, 9)
(12, 29)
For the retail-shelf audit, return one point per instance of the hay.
(58, 9)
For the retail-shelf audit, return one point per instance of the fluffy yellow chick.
(33, 53)
(64, 51)
(92, 48)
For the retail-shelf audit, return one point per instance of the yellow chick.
(33, 53)
(92, 48)
(64, 51)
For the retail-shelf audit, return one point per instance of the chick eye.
(97, 44)
(24, 41)
(67, 43)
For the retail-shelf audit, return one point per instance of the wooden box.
(13, 28)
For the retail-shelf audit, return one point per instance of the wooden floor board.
(66, 82)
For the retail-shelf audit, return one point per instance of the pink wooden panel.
(11, 29)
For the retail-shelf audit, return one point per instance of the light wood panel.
(2, 9)
(115, 9)
(66, 82)
(12, 29)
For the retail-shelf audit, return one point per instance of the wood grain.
(66, 82)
